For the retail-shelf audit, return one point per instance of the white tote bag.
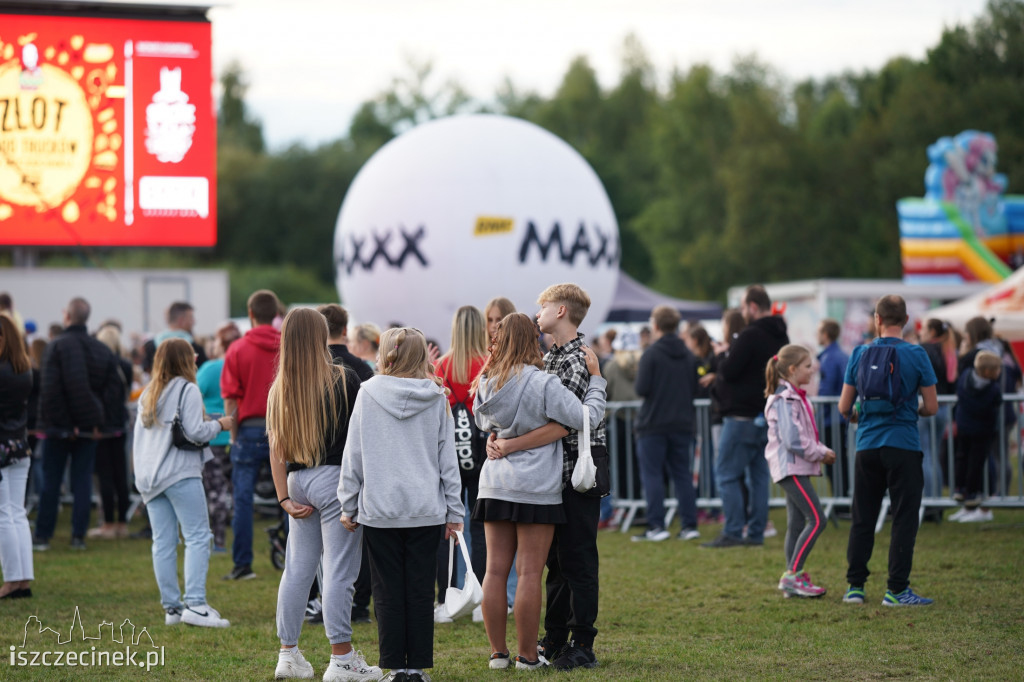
(458, 603)
(584, 474)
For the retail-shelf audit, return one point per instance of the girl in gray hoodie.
(170, 481)
(400, 482)
(520, 496)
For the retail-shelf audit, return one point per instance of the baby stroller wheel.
(278, 538)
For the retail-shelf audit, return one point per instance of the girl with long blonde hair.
(400, 484)
(170, 481)
(308, 412)
(520, 496)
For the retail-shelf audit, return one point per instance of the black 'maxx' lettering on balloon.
(352, 253)
(602, 247)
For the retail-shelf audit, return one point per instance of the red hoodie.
(249, 367)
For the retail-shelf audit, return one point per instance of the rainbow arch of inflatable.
(964, 229)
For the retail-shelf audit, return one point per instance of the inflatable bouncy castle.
(964, 229)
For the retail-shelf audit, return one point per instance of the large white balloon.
(463, 209)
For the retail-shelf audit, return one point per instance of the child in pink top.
(794, 454)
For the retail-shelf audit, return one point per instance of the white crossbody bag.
(458, 603)
(584, 474)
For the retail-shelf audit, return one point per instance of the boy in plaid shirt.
(572, 582)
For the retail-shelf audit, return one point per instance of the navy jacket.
(666, 379)
(977, 408)
(743, 367)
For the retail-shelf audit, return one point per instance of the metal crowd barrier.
(1004, 477)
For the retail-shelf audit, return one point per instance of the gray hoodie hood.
(402, 398)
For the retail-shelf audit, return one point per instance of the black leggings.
(112, 470)
(805, 520)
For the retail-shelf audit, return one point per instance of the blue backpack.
(878, 378)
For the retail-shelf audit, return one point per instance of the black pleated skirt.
(518, 512)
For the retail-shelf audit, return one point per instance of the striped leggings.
(805, 520)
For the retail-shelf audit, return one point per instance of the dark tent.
(633, 302)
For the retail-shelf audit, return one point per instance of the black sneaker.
(575, 656)
(723, 541)
(360, 616)
(240, 573)
(550, 650)
(77, 543)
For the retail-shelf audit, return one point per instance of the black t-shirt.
(334, 440)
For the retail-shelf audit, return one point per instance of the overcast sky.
(311, 63)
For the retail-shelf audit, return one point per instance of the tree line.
(716, 178)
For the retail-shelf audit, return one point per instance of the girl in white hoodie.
(400, 482)
(170, 481)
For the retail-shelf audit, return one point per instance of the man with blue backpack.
(884, 377)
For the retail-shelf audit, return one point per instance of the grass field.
(669, 611)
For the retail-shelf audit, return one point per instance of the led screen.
(107, 132)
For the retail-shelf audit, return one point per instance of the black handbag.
(12, 451)
(178, 436)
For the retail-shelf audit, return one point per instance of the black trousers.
(971, 458)
(900, 472)
(112, 470)
(363, 587)
(402, 572)
(478, 541)
(572, 582)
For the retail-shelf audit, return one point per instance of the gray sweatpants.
(805, 520)
(319, 532)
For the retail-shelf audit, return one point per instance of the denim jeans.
(674, 451)
(15, 534)
(55, 456)
(934, 453)
(248, 454)
(183, 504)
(741, 451)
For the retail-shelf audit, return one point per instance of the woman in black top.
(15, 535)
(308, 412)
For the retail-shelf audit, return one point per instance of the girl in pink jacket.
(794, 454)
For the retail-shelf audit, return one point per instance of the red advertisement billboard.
(107, 132)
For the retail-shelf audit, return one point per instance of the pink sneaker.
(803, 587)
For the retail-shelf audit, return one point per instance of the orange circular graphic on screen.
(59, 142)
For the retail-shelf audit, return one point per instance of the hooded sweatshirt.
(667, 381)
(248, 372)
(743, 366)
(527, 401)
(399, 469)
(793, 447)
(977, 406)
(158, 464)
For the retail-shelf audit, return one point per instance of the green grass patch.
(669, 611)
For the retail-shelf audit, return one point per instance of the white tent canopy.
(1002, 303)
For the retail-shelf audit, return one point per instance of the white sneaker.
(688, 534)
(204, 616)
(958, 514)
(652, 535)
(291, 664)
(440, 615)
(354, 669)
(769, 530)
(172, 616)
(976, 516)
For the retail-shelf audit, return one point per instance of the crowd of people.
(491, 429)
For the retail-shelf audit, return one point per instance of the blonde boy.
(572, 584)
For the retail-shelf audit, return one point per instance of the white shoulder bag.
(458, 603)
(584, 474)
